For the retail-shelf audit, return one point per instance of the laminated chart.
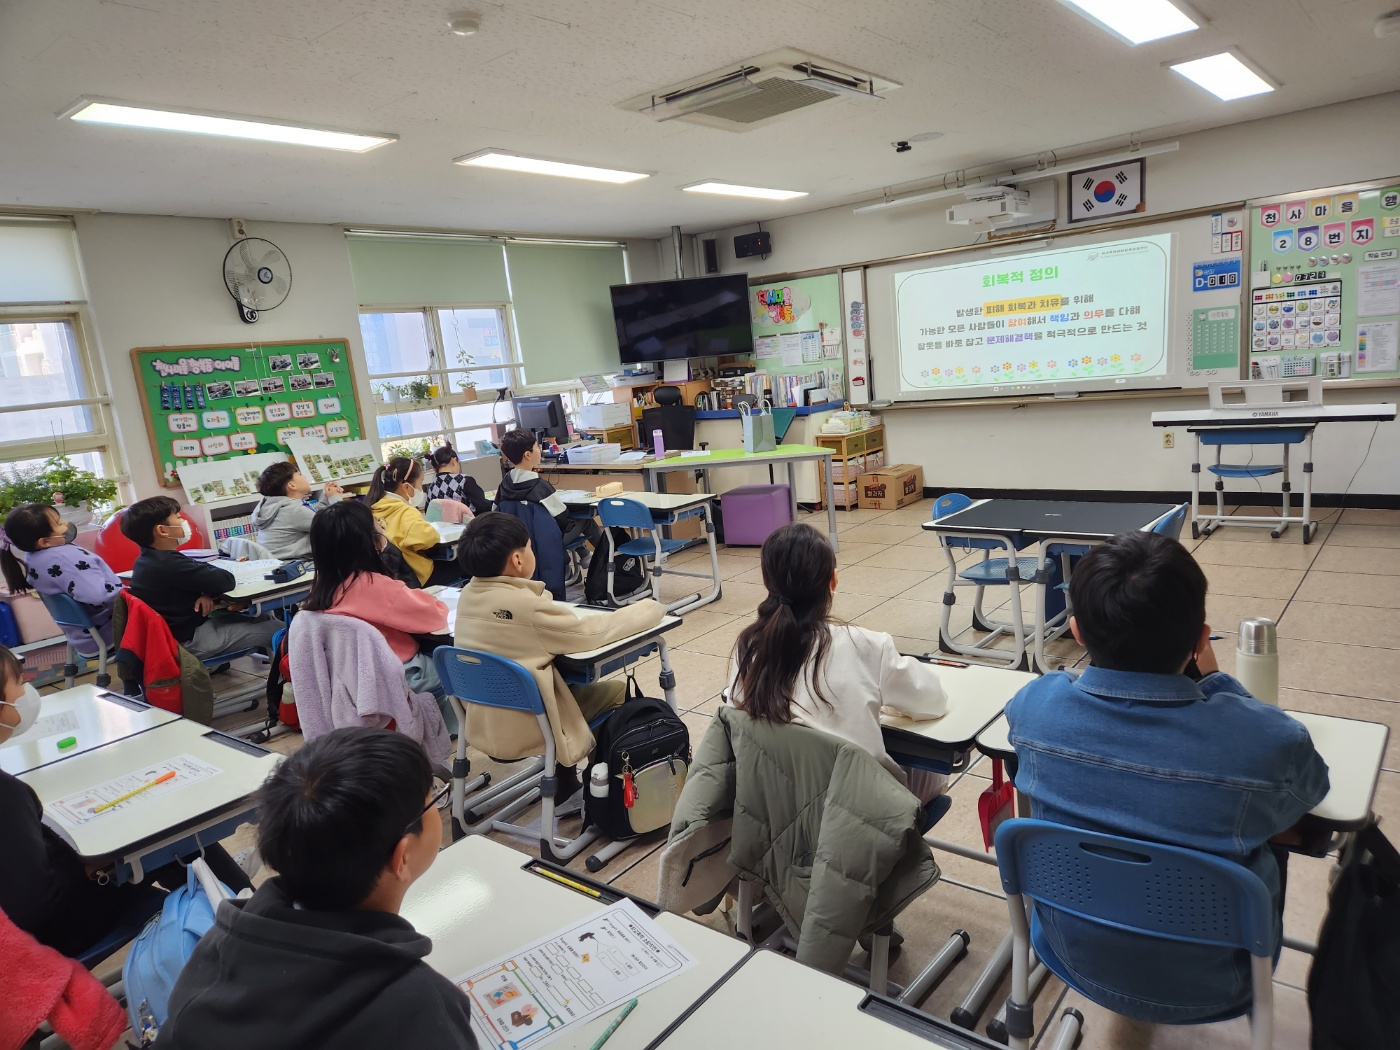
(1096, 311)
(568, 978)
(81, 806)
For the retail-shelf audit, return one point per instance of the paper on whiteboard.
(790, 348)
(1378, 290)
(77, 808)
(811, 347)
(534, 995)
(1376, 346)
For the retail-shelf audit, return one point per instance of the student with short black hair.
(282, 518)
(505, 612)
(185, 592)
(523, 483)
(1153, 741)
(452, 483)
(319, 956)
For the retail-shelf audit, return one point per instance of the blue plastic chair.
(67, 612)
(647, 542)
(1156, 890)
(472, 677)
(1171, 524)
(1009, 571)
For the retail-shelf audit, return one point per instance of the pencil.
(607, 1033)
(133, 794)
(555, 876)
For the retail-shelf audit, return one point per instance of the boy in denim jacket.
(1153, 741)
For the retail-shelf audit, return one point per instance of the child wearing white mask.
(44, 888)
(185, 592)
(397, 499)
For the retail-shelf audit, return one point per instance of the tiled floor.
(1337, 602)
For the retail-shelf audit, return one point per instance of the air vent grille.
(773, 98)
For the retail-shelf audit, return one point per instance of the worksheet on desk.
(247, 572)
(81, 806)
(568, 978)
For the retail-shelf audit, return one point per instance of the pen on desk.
(607, 1033)
(132, 794)
(940, 662)
(1217, 637)
(556, 877)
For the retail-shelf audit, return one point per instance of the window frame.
(104, 438)
(439, 369)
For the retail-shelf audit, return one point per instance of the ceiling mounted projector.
(991, 206)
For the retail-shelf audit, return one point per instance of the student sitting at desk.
(351, 580)
(523, 483)
(319, 956)
(794, 663)
(451, 483)
(44, 888)
(1154, 742)
(282, 518)
(54, 564)
(184, 591)
(397, 498)
(503, 611)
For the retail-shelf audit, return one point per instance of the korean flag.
(1099, 193)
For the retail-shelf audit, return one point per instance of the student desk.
(588, 667)
(667, 508)
(654, 471)
(1353, 751)
(480, 901)
(976, 697)
(262, 595)
(773, 1001)
(149, 832)
(1019, 524)
(94, 716)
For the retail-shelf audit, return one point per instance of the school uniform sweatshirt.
(398, 611)
(275, 976)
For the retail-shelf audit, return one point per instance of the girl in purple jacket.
(37, 553)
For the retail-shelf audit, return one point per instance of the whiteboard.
(1156, 306)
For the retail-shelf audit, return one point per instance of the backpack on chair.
(646, 748)
(629, 574)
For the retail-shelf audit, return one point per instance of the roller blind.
(563, 312)
(39, 262)
(407, 271)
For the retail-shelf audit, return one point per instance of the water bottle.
(598, 780)
(658, 444)
(1256, 658)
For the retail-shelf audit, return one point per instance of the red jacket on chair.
(42, 985)
(145, 640)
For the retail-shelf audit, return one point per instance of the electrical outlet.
(1168, 439)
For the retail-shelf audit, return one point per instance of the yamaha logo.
(1263, 412)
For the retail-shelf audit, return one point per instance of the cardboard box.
(890, 488)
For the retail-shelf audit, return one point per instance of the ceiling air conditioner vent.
(756, 91)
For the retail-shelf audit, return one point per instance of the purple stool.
(753, 512)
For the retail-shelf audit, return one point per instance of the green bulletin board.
(206, 403)
(1325, 279)
(790, 307)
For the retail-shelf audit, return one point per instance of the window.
(440, 347)
(50, 402)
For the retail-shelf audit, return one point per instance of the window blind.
(416, 271)
(39, 261)
(563, 312)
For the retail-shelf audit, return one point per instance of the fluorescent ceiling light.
(1224, 76)
(725, 189)
(1136, 21)
(90, 110)
(494, 158)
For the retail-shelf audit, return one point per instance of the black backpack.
(1354, 983)
(646, 748)
(629, 575)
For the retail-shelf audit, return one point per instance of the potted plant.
(23, 485)
(386, 391)
(467, 384)
(416, 391)
(75, 492)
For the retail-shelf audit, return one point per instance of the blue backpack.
(159, 954)
(9, 629)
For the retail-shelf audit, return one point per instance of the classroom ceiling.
(998, 78)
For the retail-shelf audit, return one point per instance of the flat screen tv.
(667, 320)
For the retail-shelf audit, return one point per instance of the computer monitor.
(542, 415)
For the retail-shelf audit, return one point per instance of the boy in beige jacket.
(504, 612)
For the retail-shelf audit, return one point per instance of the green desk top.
(727, 456)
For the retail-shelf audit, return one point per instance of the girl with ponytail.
(397, 499)
(37, 552)
(795, 663)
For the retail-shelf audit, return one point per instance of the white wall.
(158, 281)
(1110, 445)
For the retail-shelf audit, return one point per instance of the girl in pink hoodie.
(351, 580)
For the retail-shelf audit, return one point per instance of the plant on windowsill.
(386, 392)
(467, 384)
(77, 493)
(416, 391)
